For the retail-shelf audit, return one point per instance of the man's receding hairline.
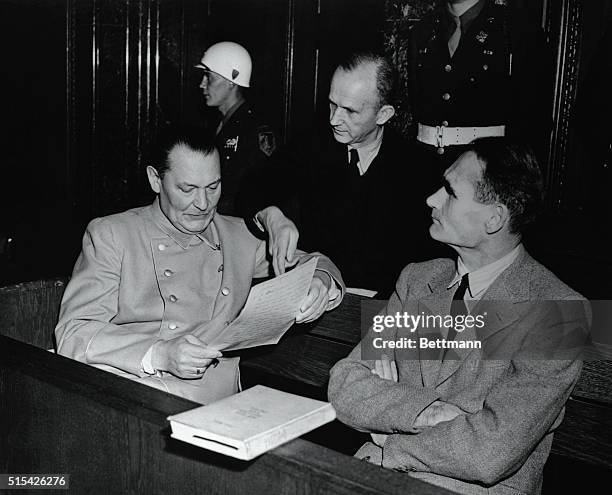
(182, 148)
(474, 180)
(364, 65)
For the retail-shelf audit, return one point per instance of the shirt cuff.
(333, 293)
(147, 363)
(257, 222)
(255, 227)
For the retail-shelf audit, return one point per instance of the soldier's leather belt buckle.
(441, 136)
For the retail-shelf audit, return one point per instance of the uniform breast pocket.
(494, 59)
(231, 144)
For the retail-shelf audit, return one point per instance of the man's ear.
(384, 114)
(498, 218)
(154, 179)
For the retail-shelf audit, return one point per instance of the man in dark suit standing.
(472, 418)
(478, 68)
(360, 192)
(361, 201)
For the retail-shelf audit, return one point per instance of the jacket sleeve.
(324, 264)
(519, 409)
(85, 331)
(369, 403)
(495, 442)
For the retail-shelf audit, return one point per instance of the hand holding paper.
(270, 310)
(316, 301)
(186, 356)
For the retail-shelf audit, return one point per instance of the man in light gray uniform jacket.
(474, 420)
(154, 286)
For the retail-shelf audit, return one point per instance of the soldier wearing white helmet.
(227, 67)
(245, 142)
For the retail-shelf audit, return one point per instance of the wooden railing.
(59, 415)
(111, 434)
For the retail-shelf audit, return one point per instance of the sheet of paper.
(269, 311)
(361, 292)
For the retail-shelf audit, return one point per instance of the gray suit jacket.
(513, 403)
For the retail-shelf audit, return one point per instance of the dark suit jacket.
(370, 225)
(513, 405)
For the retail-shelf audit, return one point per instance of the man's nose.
(334, 116)
(201, 200)
(204, 83)
(434, 199)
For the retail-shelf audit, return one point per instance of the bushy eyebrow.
(350, 109)
(447, 186)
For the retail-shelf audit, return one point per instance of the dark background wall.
(85, 83)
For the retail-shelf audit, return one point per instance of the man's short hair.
(510, 176)
(386, 74)
(171, 135)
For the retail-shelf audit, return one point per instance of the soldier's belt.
(442, 136)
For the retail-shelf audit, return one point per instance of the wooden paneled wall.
(87, 82)
(131, 64)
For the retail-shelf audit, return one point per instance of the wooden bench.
(111, 434)
(300, 363)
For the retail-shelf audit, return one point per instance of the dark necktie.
(453, 42)
(353, 161)
(458, 306)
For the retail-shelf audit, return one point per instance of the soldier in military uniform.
(245, 142)
(478, 68)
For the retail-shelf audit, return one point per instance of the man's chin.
(434, 232)
(195, 226)
(342, 137)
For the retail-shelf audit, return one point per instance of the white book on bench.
(250, 423)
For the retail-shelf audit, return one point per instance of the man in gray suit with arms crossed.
(461, 418)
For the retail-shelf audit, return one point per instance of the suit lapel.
(436, 303)
(502, 301)
(501, 305)
(454, 358)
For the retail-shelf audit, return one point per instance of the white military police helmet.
(230, 60)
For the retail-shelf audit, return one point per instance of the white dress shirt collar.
(367, 153)
(480, 280)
